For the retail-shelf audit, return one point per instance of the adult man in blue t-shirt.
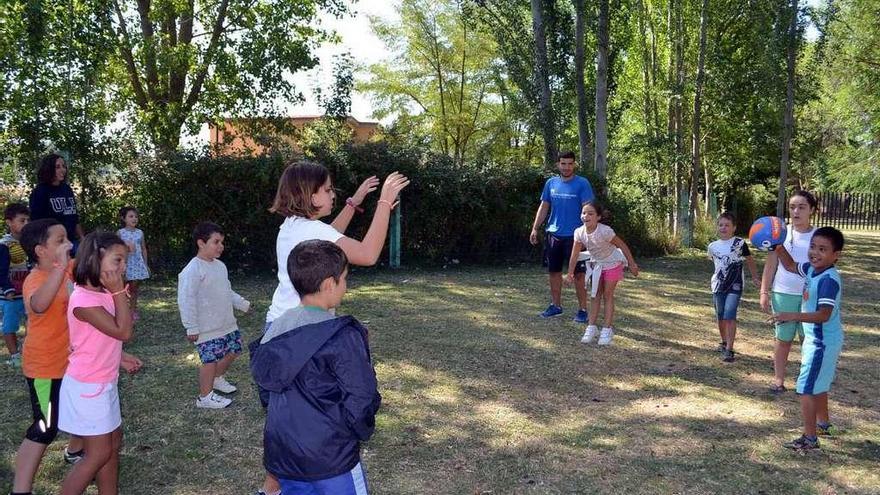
(563, 196)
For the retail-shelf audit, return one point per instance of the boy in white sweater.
(206, 302)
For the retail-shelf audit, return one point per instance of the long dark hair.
(46, 170)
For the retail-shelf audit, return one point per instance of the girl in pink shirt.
(99, 319)
(607, 253)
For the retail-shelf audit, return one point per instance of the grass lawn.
(482, 397)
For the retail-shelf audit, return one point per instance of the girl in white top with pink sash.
(99, 319)
(608, 254)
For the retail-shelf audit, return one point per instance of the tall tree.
(442, 79)
(184, 62)
(788, 118)
(696, 142)
(542, 81)
(53, 56)
(602, 36)
(583, 123)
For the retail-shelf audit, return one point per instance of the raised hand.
(394, 183)
(113, 280)
(62, 254)
(367, 186)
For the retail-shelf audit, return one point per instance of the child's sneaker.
(827, 430)
(589, 334)
(722, 346)
(728, 356)
(581, 316)
(222, 385)
(606, 335)
(72, 457)
(551, 311)
(212, 401)
(14, 360)
(802, 443)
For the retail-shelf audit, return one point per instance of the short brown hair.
(729, 216)
(313, 261)
(298, 182)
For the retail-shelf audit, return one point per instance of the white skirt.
(88, 409)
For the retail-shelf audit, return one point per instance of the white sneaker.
(606, 335)
(589, 334)
(212, 401)
(221, 385)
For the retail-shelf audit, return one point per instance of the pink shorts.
(613, 274)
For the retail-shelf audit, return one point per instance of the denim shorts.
(353, 482)
(13, 314)
(726, 304)
(214, 350)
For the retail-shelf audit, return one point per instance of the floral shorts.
(213, 350)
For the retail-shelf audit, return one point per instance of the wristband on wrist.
(350, 202)
(123, 291)
(384, 201)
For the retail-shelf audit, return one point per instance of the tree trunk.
(695, 143)
(678, 96)
(586, 148)
(788, 119)
(602, 91)
(542, 81)
(670, 116)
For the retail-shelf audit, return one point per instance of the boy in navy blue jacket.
(323, 394)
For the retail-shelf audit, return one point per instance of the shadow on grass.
(480, 396)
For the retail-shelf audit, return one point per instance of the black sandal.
(777, 389)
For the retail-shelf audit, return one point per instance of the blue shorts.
(726, 304)
(13, 314)
(818, 364)
(557, 251)
(215, 349)
(353, 482)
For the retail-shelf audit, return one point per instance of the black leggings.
(44, 402)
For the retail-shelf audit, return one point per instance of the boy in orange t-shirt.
(44, 356)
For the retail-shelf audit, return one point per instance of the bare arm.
(821, 316)
(367, 251)
(540, 216)
(43, 297)
(340, 223)
(767, 277)
(785, 258)
(576, 249)
(633, 267)
(117, 326)
(144, 254)
(753, 269)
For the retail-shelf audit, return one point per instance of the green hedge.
(479, 213)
